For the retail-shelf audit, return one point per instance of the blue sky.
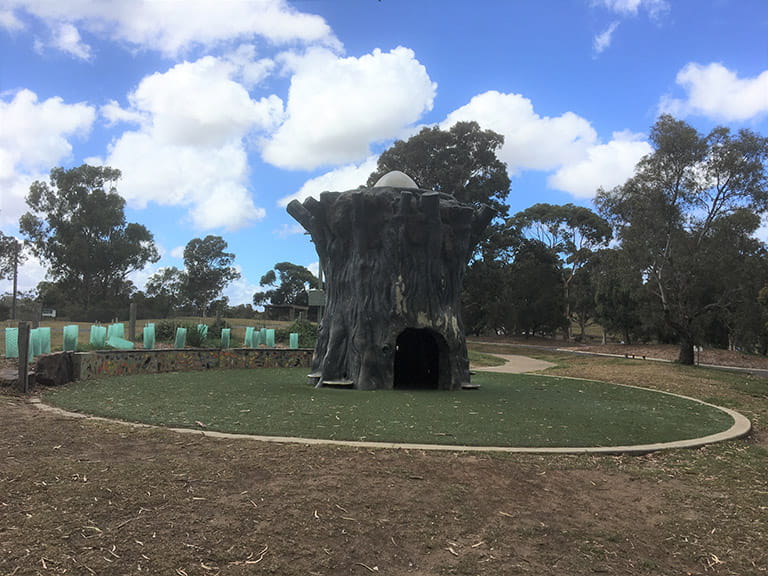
(218, 113)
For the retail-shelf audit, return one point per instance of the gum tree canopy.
(208, 270)
(11, 257)
(460, 161)
(76, 224)
(572, 233)
(291, 288)
(671, 214)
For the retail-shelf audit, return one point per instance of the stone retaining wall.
(105, 363)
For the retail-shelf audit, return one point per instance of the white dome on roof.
(395, 179)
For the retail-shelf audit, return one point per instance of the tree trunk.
(394, 261)
(686, 355)
(14, 298)
(567, 293)
(684, 331)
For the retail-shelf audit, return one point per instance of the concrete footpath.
(515, 364)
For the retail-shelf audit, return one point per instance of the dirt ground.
(710, 356)
(85, 497)
(707, 356)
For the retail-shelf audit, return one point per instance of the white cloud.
(190, 147)
(252, 70)
(31, 273)
(227, 205)
(338, 180)
(287, 230)
(566, 144)
(12, 200)
(34, 137)
(67, 39)
(716, 92)
(140, 277)
(10, 21)
(173, 27)
(337, 106)
(314, 267)
(210, 181)
(199, 103)
(113, 113)
(178, 252)
(655, 8)
(603, 40)
(36, 134)
(531, 142)
(241, 291)
(605, 165)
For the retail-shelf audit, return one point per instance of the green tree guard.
(45, 339)
(149, 336)
(34, 343)
(181, 337)
(70, 336)
(98, 336)
(116, 331)
(11, 342)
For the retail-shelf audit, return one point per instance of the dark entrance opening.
(420, 360)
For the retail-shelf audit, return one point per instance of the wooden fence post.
(23, 345)
(132, 322)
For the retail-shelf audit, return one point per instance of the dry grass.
(86, 497)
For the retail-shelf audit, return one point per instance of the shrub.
(214, 329)
(307, 332)
(166, 329)
(195, 337)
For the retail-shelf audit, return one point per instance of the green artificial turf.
(508, 409)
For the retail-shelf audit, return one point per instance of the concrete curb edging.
(741, 427)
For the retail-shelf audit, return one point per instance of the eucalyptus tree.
(287, 283)
(572, 233)
(666, 215)
(76, 225)
(460, 161)
(11, 257)
(208, 269)
(166, 288)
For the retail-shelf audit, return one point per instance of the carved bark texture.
(54, 369)
(394, 261)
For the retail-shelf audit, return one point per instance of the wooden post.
(132, 322)
(16, 251)
(23, 345)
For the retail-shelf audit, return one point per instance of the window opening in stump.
(421, 360)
